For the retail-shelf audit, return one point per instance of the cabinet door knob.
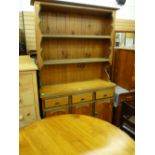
(21, 117)
(82, 99)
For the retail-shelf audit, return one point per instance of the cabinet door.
(84, 109)
(59, 111)
(103, 110)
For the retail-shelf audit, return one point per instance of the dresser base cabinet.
(103, 110)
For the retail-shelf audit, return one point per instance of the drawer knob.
(82, 99)
(28, 114)
(21, 117)
(57, 103)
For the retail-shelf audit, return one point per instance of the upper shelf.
(75, 61)
(77, 36)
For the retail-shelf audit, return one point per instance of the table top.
(74, 135)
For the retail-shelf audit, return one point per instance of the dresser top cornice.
(113, 7)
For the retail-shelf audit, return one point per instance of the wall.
(127, 11)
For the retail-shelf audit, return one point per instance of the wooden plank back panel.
(55, 74)
(64, 23)
(75, 48)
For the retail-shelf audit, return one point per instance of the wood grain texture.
(26, 20)
(28, 91)
(82, 97)
(75, 135)
(54, 102)
(75, 61)
(124, 68)
(38, 35)
(83, 109)
(56, 74)
(60, 111)
(74, 87)
(76, 8)
(26, 63)
(120, 25)
(76, 36)
(104, 93)
(124, 25)
(75, 48)
(103, 110)
(70, 25)
(61, 35)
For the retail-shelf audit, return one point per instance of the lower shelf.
(74, 87)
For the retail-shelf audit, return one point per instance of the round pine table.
(74, 135)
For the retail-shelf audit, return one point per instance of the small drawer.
(56, 102)
(104, 93)
(25, 81)
(27, 114)
(82, 97)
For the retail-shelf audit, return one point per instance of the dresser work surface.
(28, 91)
